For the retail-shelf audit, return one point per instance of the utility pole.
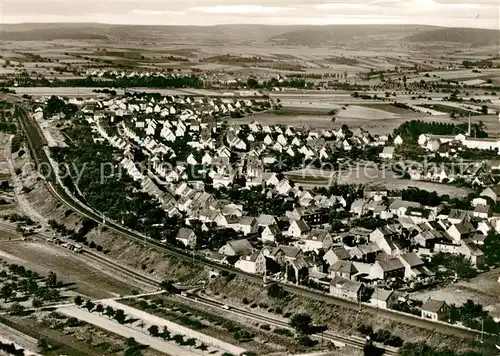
(482, 330)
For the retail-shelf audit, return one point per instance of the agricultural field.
(89, 278)
(365, 175)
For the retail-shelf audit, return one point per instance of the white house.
(254, 263)
(387, 153)
(298, 228)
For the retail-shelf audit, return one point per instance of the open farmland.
(365, 175)
(360, 112)
(91, 279)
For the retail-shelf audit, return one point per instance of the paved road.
(36, 143)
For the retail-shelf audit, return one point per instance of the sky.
(452, 13)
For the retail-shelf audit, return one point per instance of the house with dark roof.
(391, 268)
(187, 237)
(298, 228)
(270, 233)
(252, 262)
(428, 238)
(365, 253)
(481, 211)
(461, 231)
(346, 289)
(414, 266)
(236, 248)
(311, 215)
(336, 254)
(435, 310)
(344, 269)
(383, 298)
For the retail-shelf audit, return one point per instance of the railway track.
(136, 276)
(35, 140)
(348, 341)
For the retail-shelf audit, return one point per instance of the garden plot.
(149, 320)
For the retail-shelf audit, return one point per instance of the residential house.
(187, 237)
(385, 237)
(254, 262)
(481, 211)
(492, 192)
(344, 269)
(398, 140)
(399, 207)
(435, 310)
(247, 225)
(316, 240)
(461, 231)
(365, 253)
(266, 220)
(236, 248)
(346, 289)
(392, 268)
(298, 228)
(387, 153)
(336, 254)
(358, 207)
(270, 233)
(414, 266)
(383, 298)
(311, 215)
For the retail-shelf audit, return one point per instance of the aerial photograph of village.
(250, 177)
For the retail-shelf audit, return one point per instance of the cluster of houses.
(299, 246)
(448, 146)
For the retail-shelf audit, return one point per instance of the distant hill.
(50, 34)
(324, 35)
(474, 36)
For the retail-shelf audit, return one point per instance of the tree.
(275, 291)
(109, 311)
(252, 83)
(16, 309)
(99, 308)
(179, 339)
(78, 300)
(120, 316)
(301, 323)
(7, 291)
(153, 331)
(190, 342)
(165, 334)
(36, 303)
(89, 305)
(484, 110)
(44, 345)
(51, 281)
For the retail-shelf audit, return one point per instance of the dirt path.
(10, 335)
(23, 204)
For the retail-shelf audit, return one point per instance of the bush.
(265, 327)
(284, 332)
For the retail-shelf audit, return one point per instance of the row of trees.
(411, 130)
